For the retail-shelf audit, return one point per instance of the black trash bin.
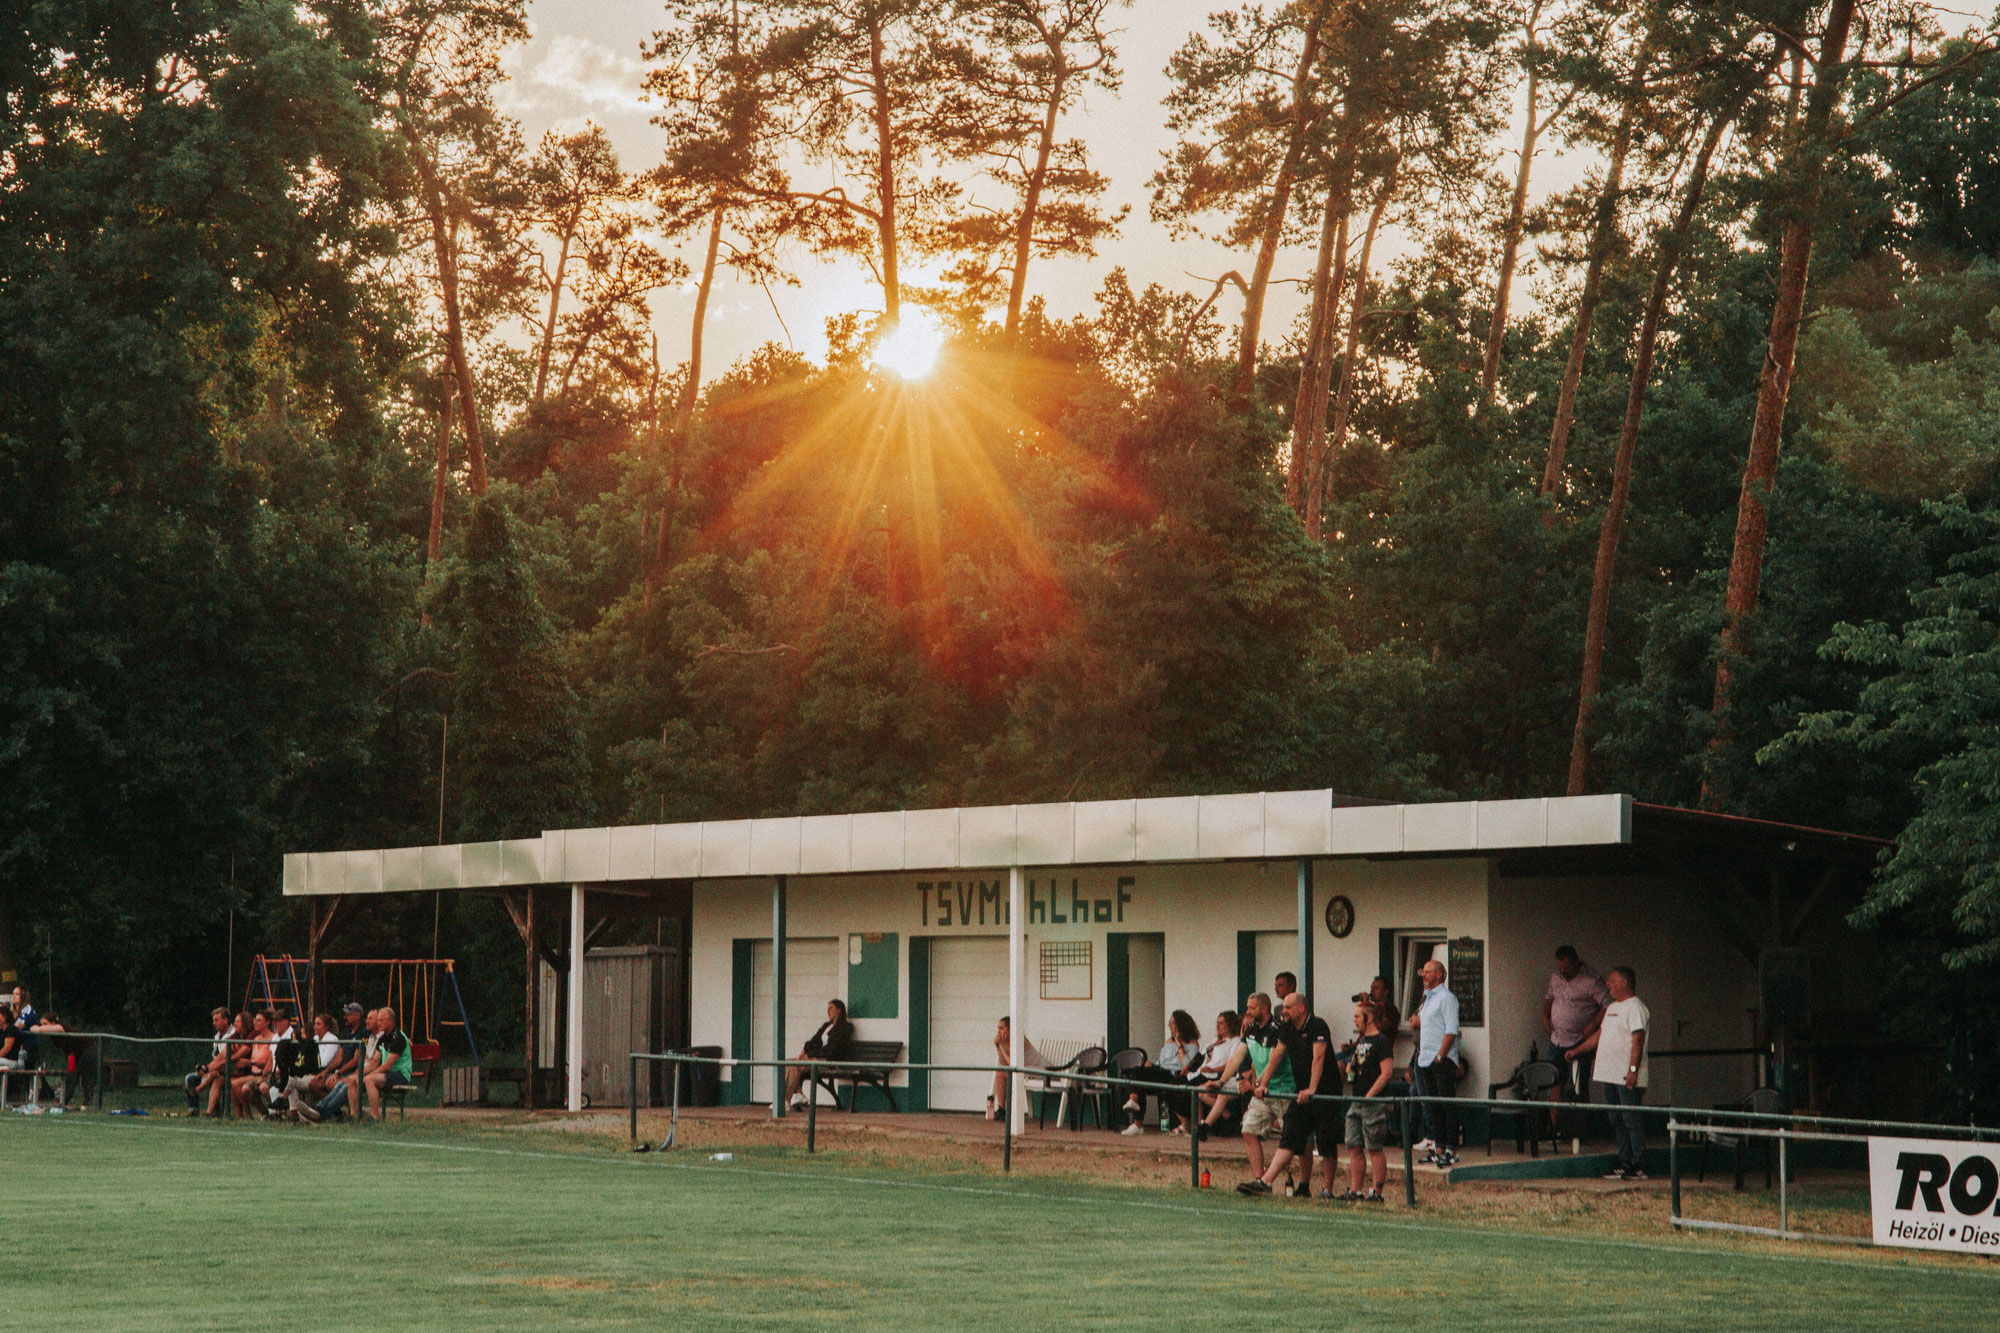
(701, 1084)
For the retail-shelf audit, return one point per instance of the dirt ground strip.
(1828, 1202)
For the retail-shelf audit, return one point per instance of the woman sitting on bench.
(256, 1056)
(832, 1042)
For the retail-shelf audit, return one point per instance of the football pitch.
(130, 1224)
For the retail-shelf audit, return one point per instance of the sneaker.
(1428, 1147)
(1302, 1190)
(1253, 1187)
(1615, 1173)
(1133, 1130)
(1635, 1174)
(1447, 1158)
(1372, 1196)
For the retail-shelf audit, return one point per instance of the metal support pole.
(1007, 1127)
(574, 1027)
(674, 1114)
(812, 1108)
(632, 1082)
(777, 995)
(1194, 1136)
(1409, 1160)
(1674, 1169)
(1306, 932)
(1017, 947)
(1784, 1196)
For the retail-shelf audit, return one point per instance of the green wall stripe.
(919, 1095)
(740, 1019)
(1246, 964)
(1117, 991)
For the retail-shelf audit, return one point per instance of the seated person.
(253, 1056)
(334, 1075)
(294, 1064)
(1003, 1046)
(365, 1060)
(1181, 1054)
(283, 1033)
(392, 1062)
(832, 1041)
(26, 1019)
(1221, 1064)
(210, 1075)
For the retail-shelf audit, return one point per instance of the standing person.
(1179, 1058)
(1434, 1070)
(1268, 1080)
(1308, 1046)
(832, 1041)
(1373, 1061)
(1572, 1007)
(1621, 1067)
(1282, 987)
(26, 1019)
(210, 1075)
(333, 1075)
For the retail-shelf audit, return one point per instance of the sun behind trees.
(343, 410)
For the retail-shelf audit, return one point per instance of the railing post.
(1784, 1197)
(812, 1108)
(1194, 1136)
(97, 1045)
(632, 1094)
(674, 1115)
(1007, 1126)
(1409, 1160)
(1674, 1169)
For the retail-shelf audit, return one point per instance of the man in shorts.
(1373, 1061)
(210, 1076)
(1269, 1081)
(390, 1068)
(1307, 1045)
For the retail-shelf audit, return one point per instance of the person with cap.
(333, 1076)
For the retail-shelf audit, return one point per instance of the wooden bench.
(865, 1052)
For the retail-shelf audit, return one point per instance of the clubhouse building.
(1092, 921)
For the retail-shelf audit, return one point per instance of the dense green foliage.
(1064, 566)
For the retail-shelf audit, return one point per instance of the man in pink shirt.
(1572, 1007)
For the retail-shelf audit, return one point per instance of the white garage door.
(812, 978)
(968, 997)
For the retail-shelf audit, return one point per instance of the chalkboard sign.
(1466, 975)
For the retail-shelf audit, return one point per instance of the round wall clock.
(1339, 916)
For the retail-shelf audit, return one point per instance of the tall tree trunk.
(691, 388)
(1603, 235)
(1315, 369)
(555, 304)
(1031, 203)
(1672, 245)
(1279, 203)
(1510, 242)
(1343, 407)
(885, 179)
(446, 250)
(435, 550)
(1774, 385)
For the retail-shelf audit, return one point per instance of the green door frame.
(1118, 985)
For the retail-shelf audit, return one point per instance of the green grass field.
(148, 1224)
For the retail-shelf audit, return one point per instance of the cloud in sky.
(569, 73)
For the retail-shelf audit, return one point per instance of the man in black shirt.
(1308, 1046)
(293, 1065)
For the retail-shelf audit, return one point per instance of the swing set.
(413, 987)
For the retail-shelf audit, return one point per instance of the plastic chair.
(1121, 1065)
(1531, 1084)
(1089, 1060)
(1764, 1101)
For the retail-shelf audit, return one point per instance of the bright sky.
(583, 63)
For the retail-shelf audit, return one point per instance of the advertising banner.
(1935, 1194)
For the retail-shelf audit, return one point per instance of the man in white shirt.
(1621, 1067)
(1434, 1068)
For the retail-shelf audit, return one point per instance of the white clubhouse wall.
(1198, 908)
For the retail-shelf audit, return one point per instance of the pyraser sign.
(1935, 1194)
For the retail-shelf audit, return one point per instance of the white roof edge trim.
(1138, 831)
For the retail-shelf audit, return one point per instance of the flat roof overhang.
(1246, 826)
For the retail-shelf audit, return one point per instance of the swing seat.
(426, 1055)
